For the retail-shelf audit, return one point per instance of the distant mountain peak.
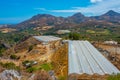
(77, 18)
(112, 13)
(42, 15)
(78, 14)
(110, 16)
(41, 20)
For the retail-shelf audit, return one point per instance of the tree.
(74, 36)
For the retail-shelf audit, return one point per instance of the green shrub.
(1, 63)
(30, 48)
(10, 65)
(62, 78)
(14, 57)
(46, 66)
(74, 36)
(31, 69)
(114, 77)
(2, 49)
(1, 54)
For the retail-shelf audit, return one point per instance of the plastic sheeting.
(47, 38)
(85, 58)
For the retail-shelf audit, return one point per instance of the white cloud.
(91, 10)
(94, 9)
(94, 1)
(43, 9)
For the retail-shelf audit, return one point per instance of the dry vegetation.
(114, 53)
(44, 28)
(6, 30)
(47, 59)
(60, 62)
(56, 60)
(42, 75)
(87, 77)
(24, 45)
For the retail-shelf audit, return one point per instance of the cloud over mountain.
(92, 9)
(94, 1)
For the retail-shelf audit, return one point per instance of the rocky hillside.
(41, 20)
(110, 16)
(34, 61)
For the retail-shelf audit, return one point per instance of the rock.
(10, 75)
(32, 77)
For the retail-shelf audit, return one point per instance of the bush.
(1, 54)
(114, 77)
(31, 69)
(30, 48)
(2, 49)
(46, 66)
(14, 57)
(62, 78)
(10, 66)
(74, 36)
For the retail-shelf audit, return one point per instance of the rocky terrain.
(28, 58)
(110, 18)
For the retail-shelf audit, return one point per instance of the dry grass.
(87, 77)
(60, 61)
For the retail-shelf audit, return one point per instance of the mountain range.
(111, 18)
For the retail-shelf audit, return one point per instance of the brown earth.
(114, 53)
(56, 55)
(87, 77)
(6, 30)
(60, 61)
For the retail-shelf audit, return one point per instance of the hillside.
(106, 26)
(30, 57)
(110, 16)
(41, 20)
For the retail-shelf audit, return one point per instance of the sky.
(16, 11)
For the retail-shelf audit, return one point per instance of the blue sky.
(15, 11)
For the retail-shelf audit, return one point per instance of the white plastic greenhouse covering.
(85, 58)
(46, 38)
